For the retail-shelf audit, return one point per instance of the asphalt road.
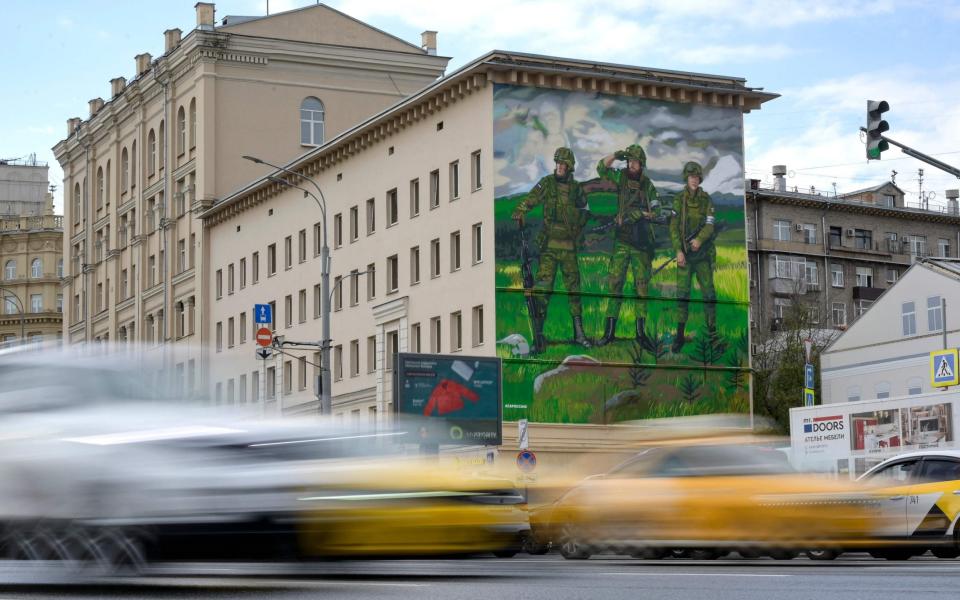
(526, 578)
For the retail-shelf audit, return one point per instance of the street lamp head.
(252, 159)
(279, 180)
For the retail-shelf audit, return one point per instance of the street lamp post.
(325, 400)
(20, 305)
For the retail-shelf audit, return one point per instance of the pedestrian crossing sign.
(943, 368)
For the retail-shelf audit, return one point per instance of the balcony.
(45, 222)
(867, 293)
(769, 245)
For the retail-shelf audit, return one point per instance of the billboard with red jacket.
(448, 399)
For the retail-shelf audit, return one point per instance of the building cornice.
(829, 203)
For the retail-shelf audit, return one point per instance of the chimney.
(117, 85)
(95, 105)
(72, 125)
(428, 41)
(143, 63)
(171, 39)
(204, 15)
(779, 181)
(952, 205)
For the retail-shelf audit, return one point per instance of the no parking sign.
(526, 461)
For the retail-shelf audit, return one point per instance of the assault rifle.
(529, 282)
(610, 222)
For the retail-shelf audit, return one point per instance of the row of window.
(36, 269)
(882, 390)
(908, 316)
(860, 239)
(11, 307)
(798, 268)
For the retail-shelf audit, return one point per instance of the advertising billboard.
(621, 260)
(448, 399)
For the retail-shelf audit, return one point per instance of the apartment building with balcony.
(836, 254)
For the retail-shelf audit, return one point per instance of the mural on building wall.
(621, 258)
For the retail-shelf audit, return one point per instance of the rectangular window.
(435, 335)
(288, 311)
(302, 245)
(243, 273)
(477, 242)
(273, 314)
(288, 252)
(230, 332)
(934, 314)
(317, 295)
(371, 281)
(219, 336)
(864, 277)
(478, 325)
(255, 386)
(892, 275)
(182, 256)
(255, 267)
(392, 209)
(354, 358)
(943, 248)
(230, 278)
(455, 251)
(271, 383)
(243, 327)
(218, 278)
(908, 313)
(435, 258)
(809, 233)
(863, 239)
(287, 377)
(393, 278)
(812, 275)
(337, 293)
(860, 307)
(454, 180)
(271, 260)
(302, 373)
(371, 354)
(242, 390)
(302, 306)
(836, 236)
(415, 337)
(781, 230)
(391, 349)
(475, 179)
(338, 362)
(456, 331)
(414, 197)
(36, 303)
(371, 216)
(434, 189)
(893, 245)
(836, 275)
(415, 265)
(918, 245)
(337, 230)
(354, 223)
(354, 287)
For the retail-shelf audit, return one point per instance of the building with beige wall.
(169, 142)
(31, 255)
(410, 202)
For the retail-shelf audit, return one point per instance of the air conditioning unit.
(798, 227)
(850, 232)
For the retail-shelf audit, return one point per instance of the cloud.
(65, 22)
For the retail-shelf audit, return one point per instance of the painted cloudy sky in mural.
(530, 123)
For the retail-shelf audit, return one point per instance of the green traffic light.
(873, 153)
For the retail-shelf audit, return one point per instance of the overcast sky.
(825, 57)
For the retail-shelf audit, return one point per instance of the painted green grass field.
(626, 382)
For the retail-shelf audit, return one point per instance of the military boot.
(679, 340)
(645, 342)
(578, 335)
(609, 332)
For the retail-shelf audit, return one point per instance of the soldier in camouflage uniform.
(637, 205)
(691, 232)
(565, 212)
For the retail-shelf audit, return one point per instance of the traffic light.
(875, 128)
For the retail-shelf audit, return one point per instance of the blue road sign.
(808, 376)
(943, 368)
(809, 397)
(526, 461)
(262, 313)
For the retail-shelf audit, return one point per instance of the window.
(219, 336)
(864, 277)
(914, 386)
(180, 196)
(287, 252)
(60, 268)
(182, 263)
(391, 349)
(193, 123)
(337, 293)
(936, 470)
(152, 275)
(230, 330)
(393, 278)
(338, 362)
(218, 278)
(151, 153)
(354, 358)
(243, 327)
(354, 223)
(892, 243)
(787, 267)
(892, 275)
(311, 122)
(302, 306)
(836, 236)
(317, 295)
(456, 331)
(11, 308)
(455, 251)
(242, 390)
(371, 216)
(392, 208)
(836, 275)
(337, 230)
(287, 377)
(860, 307)
(10, 270)
(36, 268)
(415, 337)
(36, 303)
(781, 306)
(302, 246)
(100, 184)
(882, 390)
(435, 258)
(181, 131)
(863, 239)
(435, 335)
(124, 284)
(908, 313)
(414, 197)
(477, 245)
(288, 311)
(243, 273)
(255, 267)
(271, 383)
(124, 171)
(943, 248)
(255, 386)
(271, 260)
(918, 245)
(781, 230)
(839, 314)
(161, 147)
(809, 233)
(454, 180)
(302, 373)
(371, 281)
(477, 325)
(812, 275)
(476, 181)
(273, 314)
(888, 200)
(434, 189)
(415, 265)
(934, 314)
(371, 354)
(853, 393)
(59, 306)
(354, 288)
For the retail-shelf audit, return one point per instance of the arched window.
(100, 183)
(106, 185)
(76, 204)
(10, 270)
(914, 386)
(151, 153)
(124, 171)
(181, 131)
(193, 123)
(311, 122)
(36, 268)
(133, 164)
(162, 146)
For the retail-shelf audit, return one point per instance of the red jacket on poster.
(448, 397)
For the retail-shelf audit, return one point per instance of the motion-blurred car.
(919, 502)
(704, 499)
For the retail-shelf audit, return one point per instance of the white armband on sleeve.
(710, 220)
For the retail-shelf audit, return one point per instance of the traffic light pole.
(920, 156)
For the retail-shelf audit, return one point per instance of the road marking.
(672, 574)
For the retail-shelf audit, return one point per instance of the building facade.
(171, 141)
(414, 223)
(836, 254)
(31, 255)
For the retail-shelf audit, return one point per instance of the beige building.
(170, 141)
(31, 255)
(410, 202)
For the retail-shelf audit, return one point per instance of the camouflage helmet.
(692, 168)
(635, 152)
(565, 155)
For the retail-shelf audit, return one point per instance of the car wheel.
(945, 552)
(649, 553)
(531, 545)
(893, 553)
(822, 554)
(704, 554)
(783, 554)
(510, 553)
(680, 553)
(571, 548)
